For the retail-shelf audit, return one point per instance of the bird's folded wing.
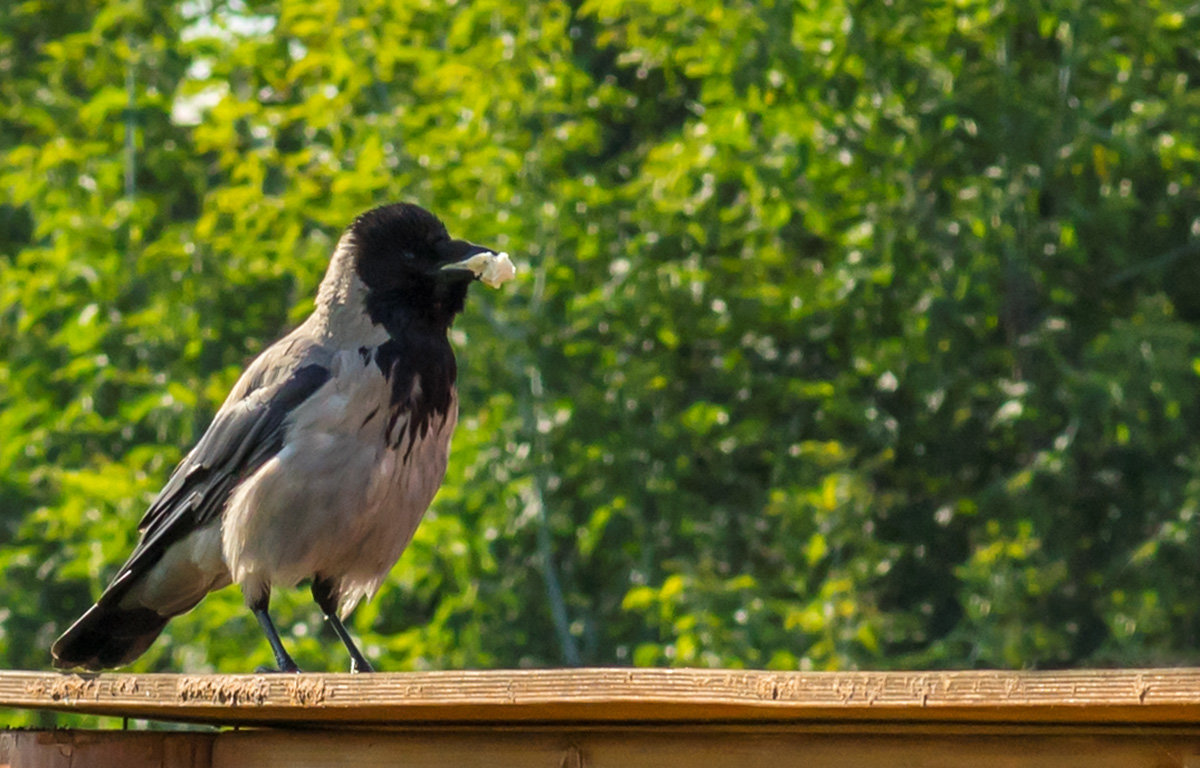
(243, 436)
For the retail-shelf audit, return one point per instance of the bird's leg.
(324, 592)
(259, 607)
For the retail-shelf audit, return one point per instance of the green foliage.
(849, 335)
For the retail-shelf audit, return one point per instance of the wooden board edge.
(616, 695)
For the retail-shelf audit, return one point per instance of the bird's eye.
(407, 255)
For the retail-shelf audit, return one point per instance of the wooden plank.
(106, 749)
(669, 749)
(611, 746)
(1148, 696)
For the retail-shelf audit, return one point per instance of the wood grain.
(576, 696)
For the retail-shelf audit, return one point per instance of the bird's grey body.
(319, 465)
(279, 524)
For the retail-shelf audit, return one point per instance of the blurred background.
(847, 334)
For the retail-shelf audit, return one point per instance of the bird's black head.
(405, 258)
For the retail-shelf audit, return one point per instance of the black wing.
(243, 436)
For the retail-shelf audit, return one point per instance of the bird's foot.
(293, 669)
(360, 665)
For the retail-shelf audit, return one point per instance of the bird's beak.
(489, 267)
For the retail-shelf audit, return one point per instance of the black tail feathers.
(107, 636)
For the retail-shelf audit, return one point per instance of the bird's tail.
(107, 636)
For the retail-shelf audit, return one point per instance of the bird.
(324, 456)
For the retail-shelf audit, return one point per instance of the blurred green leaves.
(847, 335)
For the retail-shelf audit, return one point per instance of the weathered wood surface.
(574, 696)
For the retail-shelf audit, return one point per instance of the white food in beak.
(498, 270)
(492, 269)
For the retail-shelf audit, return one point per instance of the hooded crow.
(324, 457)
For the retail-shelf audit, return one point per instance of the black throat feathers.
(419, 364)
